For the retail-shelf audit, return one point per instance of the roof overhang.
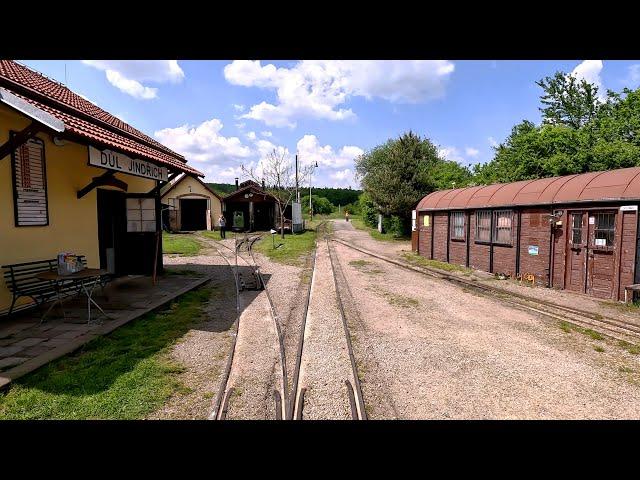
(31, 111)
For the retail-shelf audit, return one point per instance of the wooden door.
(601, 253)
(576, 264)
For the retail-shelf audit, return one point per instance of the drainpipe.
(551, 249)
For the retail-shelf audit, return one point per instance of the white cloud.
(451, 153)
(492, 142)
(132, 87)
(590, 70)
(203, 143)
(221, 157)
(319, 89)
(241, 125)
(129, 75)
(266, 133)
(239, 108)
(310, 151)
(471, 152)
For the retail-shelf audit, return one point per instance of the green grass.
(124, 375)
(292, 249)
(394, 299)
(598, 348)
(630, 347)
(214, 235)
(569, 327)
(181, 244)
(384, 237)
(421, 261)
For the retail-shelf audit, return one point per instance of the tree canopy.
(579, 133)
(398, 173)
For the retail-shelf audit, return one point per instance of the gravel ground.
(203, 350)
(395, 249)
(325, 360)
(431, 350)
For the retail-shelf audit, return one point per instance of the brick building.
(577, 232)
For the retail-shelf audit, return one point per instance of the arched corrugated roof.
(622, 184)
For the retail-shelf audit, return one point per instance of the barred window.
(483, 226)
(502, 220)
(457, 225)
(604, 231)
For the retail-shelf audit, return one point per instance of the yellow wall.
(182, 191)
(73, 222)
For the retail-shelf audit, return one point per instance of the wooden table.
(90, 276)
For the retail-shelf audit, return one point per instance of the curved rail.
(219, 413)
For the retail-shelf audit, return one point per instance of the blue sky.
(222, 114)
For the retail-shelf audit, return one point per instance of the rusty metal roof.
(622, 184)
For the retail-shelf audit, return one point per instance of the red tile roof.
(84, 119)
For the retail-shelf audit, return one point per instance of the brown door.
(576, 265)
(601, 258)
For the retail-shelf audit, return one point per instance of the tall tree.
(396, 175)
(568, 100)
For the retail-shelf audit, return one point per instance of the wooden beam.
(18, 139)
(106, 179)
(160, 184)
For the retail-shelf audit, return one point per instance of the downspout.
(468, 218)
(518, 230)
(433, 229)
(491, 242)
(551, 249)
(448, 233)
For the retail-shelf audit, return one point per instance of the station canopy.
(611, 185)
(84, 120)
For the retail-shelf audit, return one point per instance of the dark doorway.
(193, 213)
(112, 229)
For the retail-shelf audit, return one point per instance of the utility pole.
(297, 192)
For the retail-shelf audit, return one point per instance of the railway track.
(353, 388)
(222, 400)
(609, 326)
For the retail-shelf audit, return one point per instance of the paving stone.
(29, 342)
(11, 362)
(36, 350)
(70, 334)
(55, 342)
(10, 350)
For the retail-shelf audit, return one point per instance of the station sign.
(629, 208)
(122, 163)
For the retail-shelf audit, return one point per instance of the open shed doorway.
(193, 214)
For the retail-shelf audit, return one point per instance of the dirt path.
(441, 352)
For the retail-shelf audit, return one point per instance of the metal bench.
(21, 281)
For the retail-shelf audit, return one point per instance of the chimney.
(236, 183)
(263, 184)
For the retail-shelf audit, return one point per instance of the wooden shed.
(576, 232)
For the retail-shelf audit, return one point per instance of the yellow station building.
(74, 178)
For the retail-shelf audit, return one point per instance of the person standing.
(346, 215)
(223, 223)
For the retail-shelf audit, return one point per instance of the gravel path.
(325, 360)
(438, 351)
(203, 350)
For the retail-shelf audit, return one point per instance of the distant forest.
(337, 196)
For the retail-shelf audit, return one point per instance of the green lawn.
(214, 235)
(182, 244)
(386, 237)
(124, 375)
(292, 249)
